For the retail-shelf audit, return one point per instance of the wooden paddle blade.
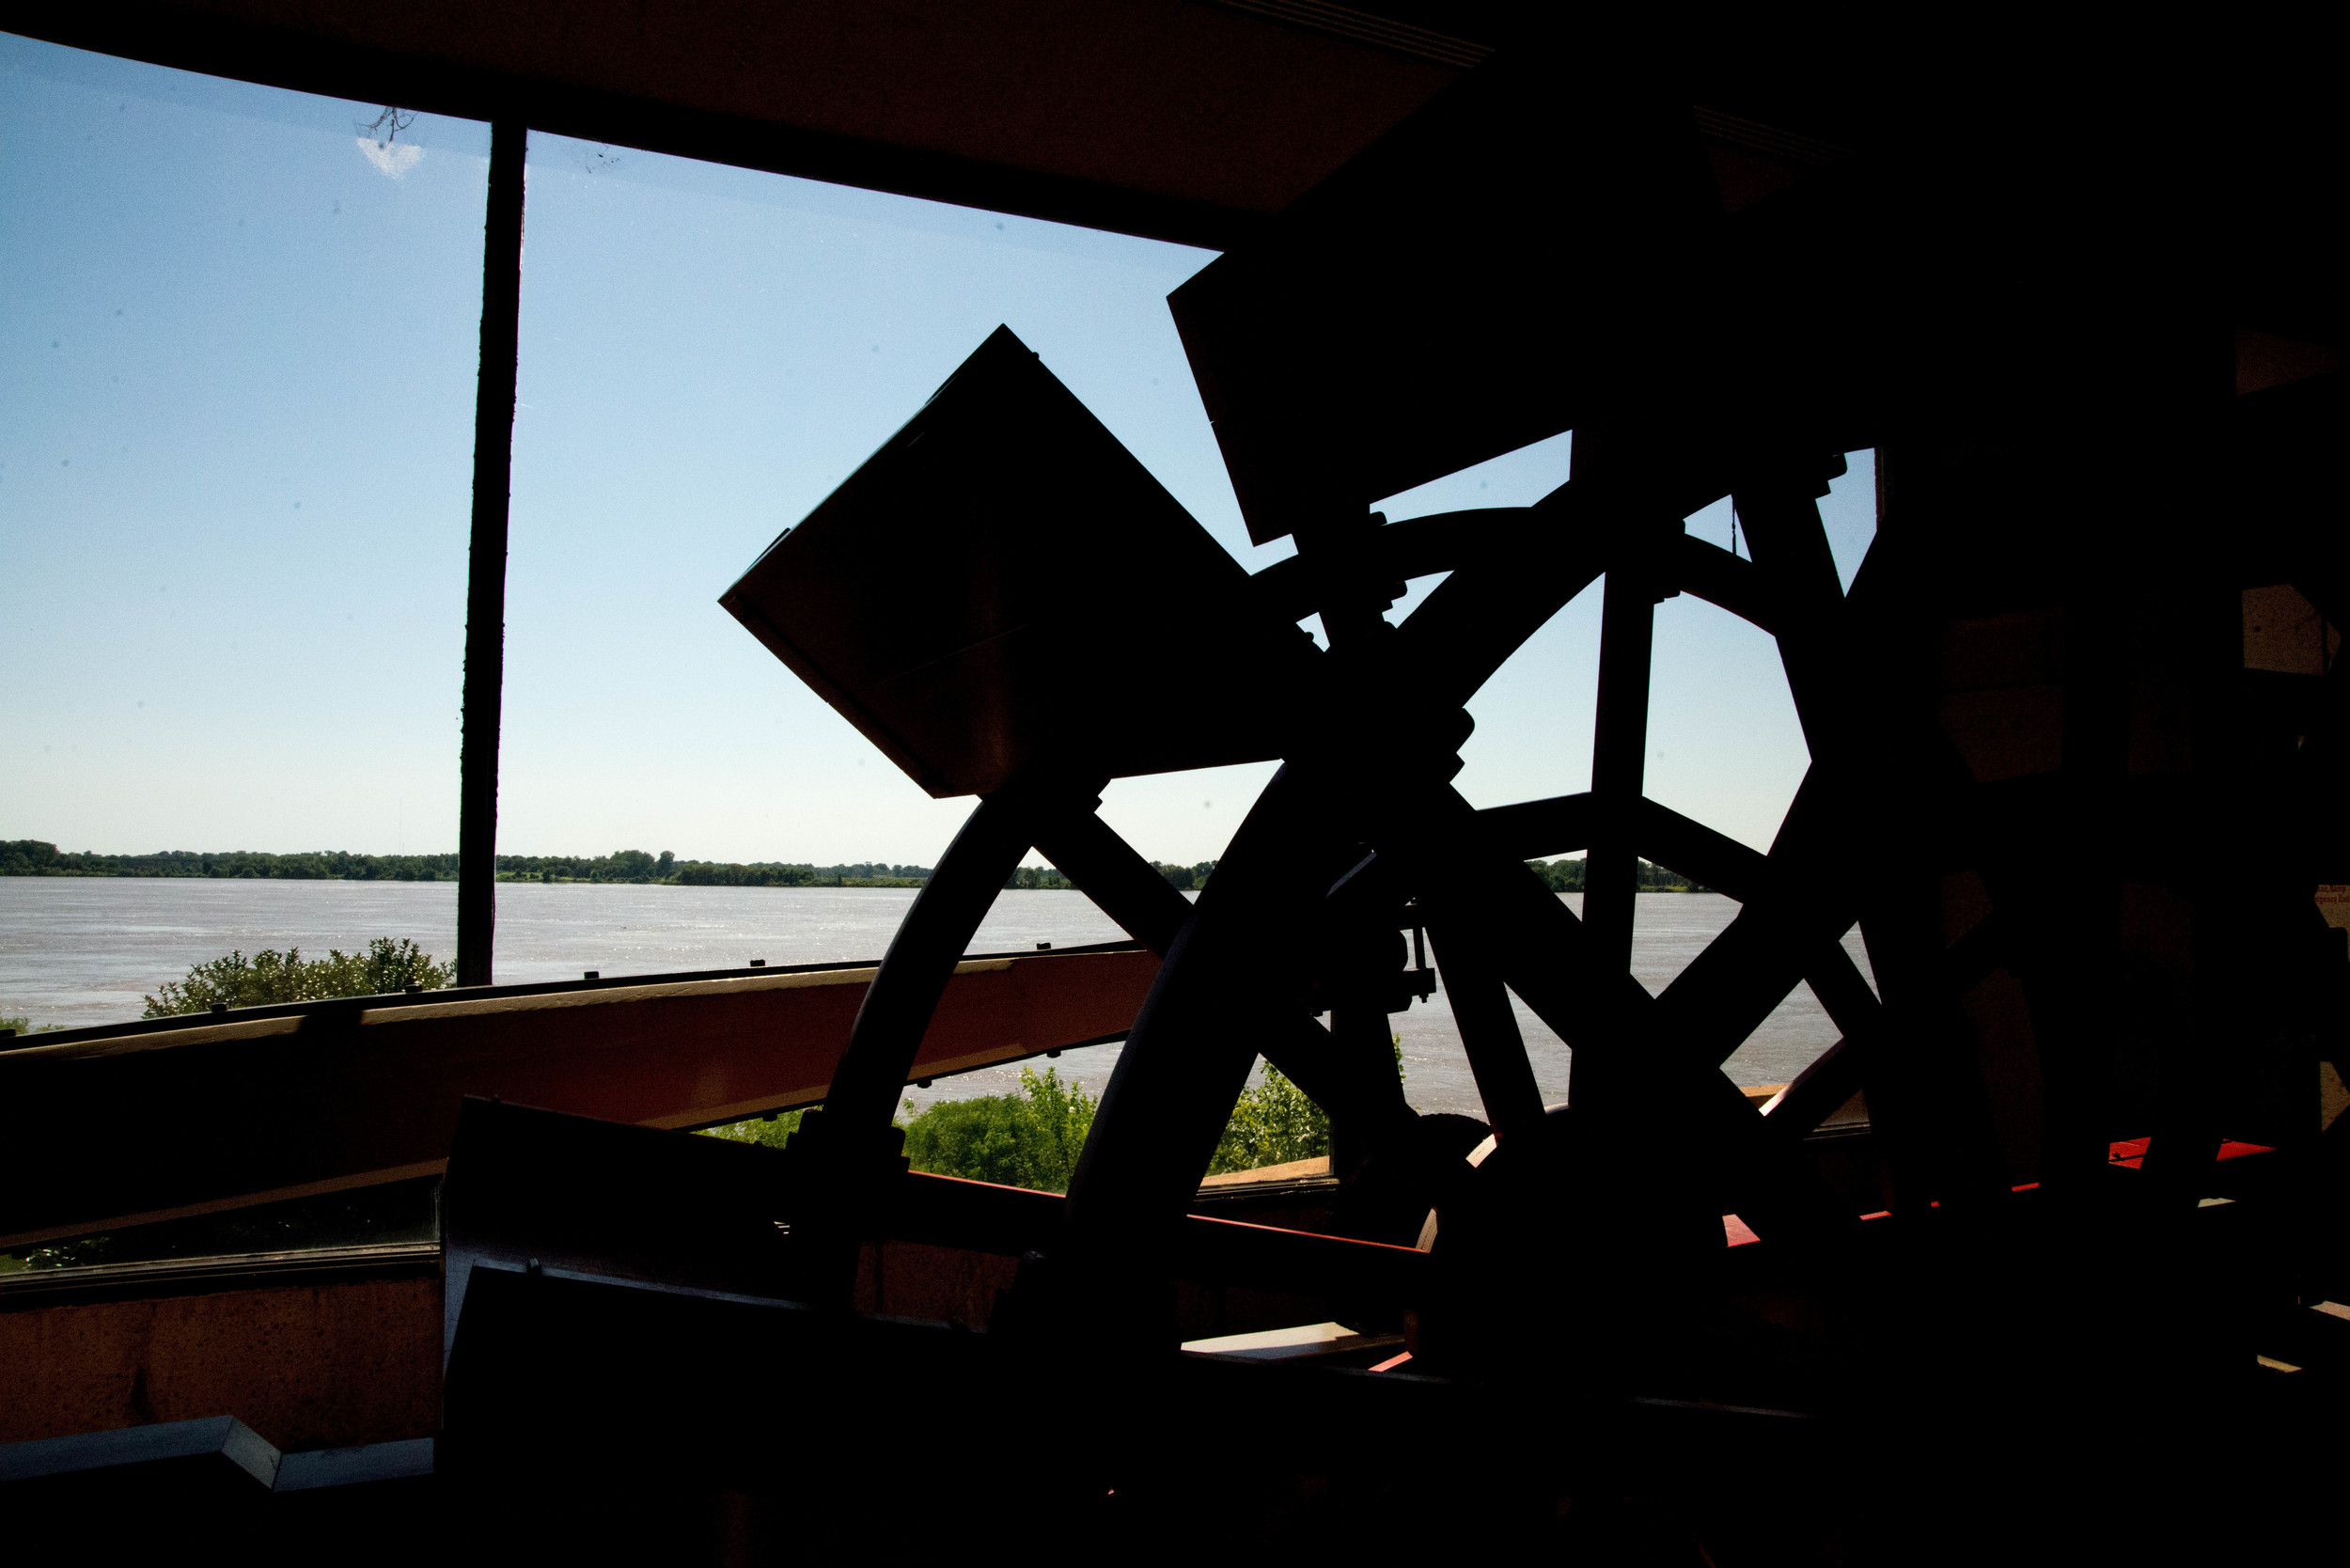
(1515, 251)
(1003, 593)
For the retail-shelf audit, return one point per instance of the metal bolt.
(220, 1006)
(592, 974)
(1044, 947)
(759, 964)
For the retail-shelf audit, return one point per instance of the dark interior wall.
(306, 1365)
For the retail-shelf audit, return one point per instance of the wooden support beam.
(895, 1015)
(1413, 547)
(1490, 1037)
(1798, 579)
(347, 1094)
(1214, 1010)
(485, 579)
(1484, 612)
(1714, 574)
(1618, 755)
(1844, 1068)
(1543, 952)
(1539, 829)
(1109, 870)
(1121, 883)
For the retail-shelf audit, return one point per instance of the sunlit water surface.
(86, 950)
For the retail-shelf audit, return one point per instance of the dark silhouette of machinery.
(2079, 834)
(2077, 742)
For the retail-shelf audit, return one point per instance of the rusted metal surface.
(338, 1097)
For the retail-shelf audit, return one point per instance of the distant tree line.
(770, 873)
(1566, 876)
(35, 857)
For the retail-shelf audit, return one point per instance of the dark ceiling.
(1196, 120)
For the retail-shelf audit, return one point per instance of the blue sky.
(237, 360)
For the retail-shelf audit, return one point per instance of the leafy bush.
(1032, 1138)
(1274, 1124)
(771, 1131)
(1028, 1139)
(269, 976)
(25, 1025)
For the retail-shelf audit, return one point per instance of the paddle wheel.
(2042, 1258)
(2010, 720)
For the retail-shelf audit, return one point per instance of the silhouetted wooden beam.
(1717, 1002)
(485, 579)
(1215, 1008)
(1710, 573)
(1722, 863)
(1467, 869)
(1486, 610)
(1843, 1069)
(1415, 547)
(850, 1145)
(1619, 758)
(923, 956)
(1726, 866)
(1119, 880)
(1123, 885)
(1490, 1037)
(1538, 829)
(1711, 858)
(1546, 957)
(1844, 992)
(1797, 576)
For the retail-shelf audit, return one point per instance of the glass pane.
(236, 437)
(705, 353)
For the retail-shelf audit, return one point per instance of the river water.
(76, 950)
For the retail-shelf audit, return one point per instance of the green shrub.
(25, 1025)
(1272, 1123)
(1028, 1139)
(1032, 1138)
(270, 976)
(771, 1131)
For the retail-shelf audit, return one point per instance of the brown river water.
(77, 950)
